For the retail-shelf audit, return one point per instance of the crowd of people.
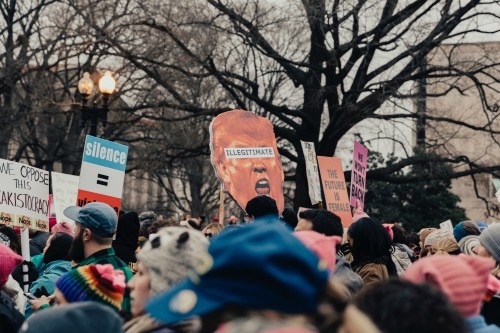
(268, 272)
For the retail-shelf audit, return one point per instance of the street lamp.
(94, 113)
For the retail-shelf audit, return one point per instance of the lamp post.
(94, 113)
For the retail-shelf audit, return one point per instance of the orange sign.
(333, 183)
(84, 197)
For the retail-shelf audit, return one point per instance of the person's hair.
(371, 244)
(413, 239)
(399, 306)
(215, 227)
(290, 217)
(162, 223)
(100, 240)
(324, 222)
(15, 241)
(445, 247)
(399, 235)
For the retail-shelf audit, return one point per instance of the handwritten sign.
(446, 225)
(65, 191)
(358, 175)
(312, 173)
(24, 196)
(333, 181)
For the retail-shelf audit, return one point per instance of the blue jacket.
(477, 324)
(51, 273)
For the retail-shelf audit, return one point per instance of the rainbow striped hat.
(99, 283)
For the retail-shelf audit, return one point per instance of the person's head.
(436, 235)
(413, 240)
(98, 283)
(489, 243)
(423, 233)
(399, 234)
(400, 306)
(13, 238)
(233, 219)
(127, 231)
(320, 220)
(325, 247)
(370, 242)
(260, 266)
(465, 228)
(96, 224)
(8, 261)
(212, 230)
(84, 317)
(64, 226)
(445, 247)
(57, 247)
(290, 217)
(164, 261)
(261, 206)
(163, 223)
(467, 244)
(462, 278)
(145, 220)
(261, 173)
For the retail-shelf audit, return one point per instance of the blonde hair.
(444, 247)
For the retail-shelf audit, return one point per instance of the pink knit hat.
(63, 227)
(462, 278)
(323, 246)
(8, 261)
(388, 228)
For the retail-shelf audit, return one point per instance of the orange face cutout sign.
(245, 156)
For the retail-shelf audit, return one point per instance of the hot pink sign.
(358, 175)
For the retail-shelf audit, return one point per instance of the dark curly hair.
(399, 306)
(323, 221)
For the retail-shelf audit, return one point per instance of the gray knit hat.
(490, 239)
(169, 257)
(145, 220)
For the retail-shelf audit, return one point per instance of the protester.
(127, 238)
(261, 206)
(413, 242)
(290, 217)
(163, 261)
(98, 283)
(212, 230)
(465, 228)
(320, 220)
(95, 226)
(10, 317)
(271, 277)
(325, 247)
(423, 233)
(232, 220)
(145, 220)
(56, 263)
(84, 317)
(38, 239)
(371, 251)
(467, 244)
(447, 246)
(401, 255)
(463, 279)
(400, 306)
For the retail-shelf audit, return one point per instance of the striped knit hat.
(99, 283)
(462, 278)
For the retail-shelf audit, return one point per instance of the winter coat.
(477, 324)
(19, 298)
(10, 318)
(146, 324)
(38, 242)
(401, 259)
(47, 280)
(345, 274)
(372, 273)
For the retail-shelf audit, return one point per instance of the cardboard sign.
(333, 181)
(24, 196)
(245, 157)
(358, 175)
(65, 193)
(313, 182)
(102, 172)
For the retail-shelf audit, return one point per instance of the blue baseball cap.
(99, 217)
(258, 266)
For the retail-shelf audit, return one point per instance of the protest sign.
(245, 158)
(312, 172)
(358, 174)
(102, 172)
(333, 181)
(446, 225)
(24, 196)
(65, 193)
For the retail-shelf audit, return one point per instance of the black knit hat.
(59, 248)
(262, 205)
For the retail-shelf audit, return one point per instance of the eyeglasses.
(209, 235)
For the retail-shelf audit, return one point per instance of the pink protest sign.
(358, 175)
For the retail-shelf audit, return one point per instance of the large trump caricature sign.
(245, 156)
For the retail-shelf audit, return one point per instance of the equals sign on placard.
(102, 179)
